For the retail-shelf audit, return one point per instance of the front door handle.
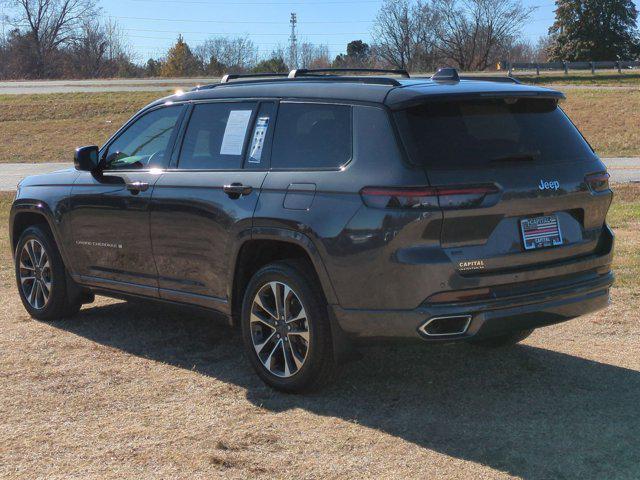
(137, 187)
(235, 190)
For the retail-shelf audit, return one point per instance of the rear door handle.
(137, 187)
(235, 190)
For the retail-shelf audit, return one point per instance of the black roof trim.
(494, 78)
(235, 76)
(321, 71)
(315, 74)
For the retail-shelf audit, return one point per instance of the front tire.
(42, 277)
(285, 328)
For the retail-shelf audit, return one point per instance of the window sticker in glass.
(235, 132)
(257, 143)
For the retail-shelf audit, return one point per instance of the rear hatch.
(519, 186)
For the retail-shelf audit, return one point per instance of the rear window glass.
(216, 136)
(489, 132)
(311, 135)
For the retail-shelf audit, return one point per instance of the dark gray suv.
(319, 208)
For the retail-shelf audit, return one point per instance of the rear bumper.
(584, 294)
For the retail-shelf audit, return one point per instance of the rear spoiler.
(415, 100)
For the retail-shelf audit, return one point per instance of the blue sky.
(330, 22)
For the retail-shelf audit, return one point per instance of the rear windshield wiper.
(517, 157)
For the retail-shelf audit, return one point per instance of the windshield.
(489, 132)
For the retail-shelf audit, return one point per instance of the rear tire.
(505, 340)
(288, 341)
(42, 278)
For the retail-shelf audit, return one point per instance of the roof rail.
(235, 76)
(490, 78)
(448, 74)
(301, 72)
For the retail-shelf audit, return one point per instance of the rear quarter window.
(480, 133)
(216, 136)
(312, 136)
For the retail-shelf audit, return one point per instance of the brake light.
(598, 182)
(391, 197)
(426, 197)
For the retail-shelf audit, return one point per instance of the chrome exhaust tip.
(446, 326)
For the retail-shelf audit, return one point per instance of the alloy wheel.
(35, 274)
(279, 329)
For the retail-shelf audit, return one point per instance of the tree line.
(70, 39)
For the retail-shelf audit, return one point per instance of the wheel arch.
(25, 214)
(266, 245)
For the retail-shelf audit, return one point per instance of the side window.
(216, 136)
(310, 135)
(144, 144)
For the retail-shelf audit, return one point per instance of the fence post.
(593, 68)
(566, 68)
(618, 65)
(537, 69)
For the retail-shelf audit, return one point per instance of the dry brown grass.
(139, 391)
(46, 128)
(609, 119)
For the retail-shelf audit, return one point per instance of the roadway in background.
(165, 84)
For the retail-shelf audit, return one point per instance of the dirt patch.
(143, 391)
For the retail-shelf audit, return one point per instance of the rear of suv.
(319, 209)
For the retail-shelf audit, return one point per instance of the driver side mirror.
(86, 158)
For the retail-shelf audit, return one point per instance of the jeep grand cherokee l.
(316, 208)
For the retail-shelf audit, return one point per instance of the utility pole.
(2, 19)
(293, 42)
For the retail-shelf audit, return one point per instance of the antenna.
(293, 39)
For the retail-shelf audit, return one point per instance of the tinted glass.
(144, 144)
(489, 132)
(216, 136)
(312, 136)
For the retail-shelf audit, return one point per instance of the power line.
(242, 22)
(245, 33)
(260, 43)
(183, 32)
(269, 4)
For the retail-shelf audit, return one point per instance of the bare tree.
(404, 34)
(313, 56)
(395, 33)
(233, 54)
(50, 25)
(98, 51)
(472, 33)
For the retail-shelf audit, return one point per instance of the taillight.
(598, 182)
(392, 197)
(426, 197)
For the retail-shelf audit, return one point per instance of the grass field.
(138, 391)
(47, 128)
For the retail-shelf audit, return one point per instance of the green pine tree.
(594, 30)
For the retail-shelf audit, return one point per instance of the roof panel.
(409, 92)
